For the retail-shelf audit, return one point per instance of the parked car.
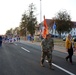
(56, 36)
(64, 38)
(74, 38)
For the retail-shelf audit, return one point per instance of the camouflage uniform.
(47, 47)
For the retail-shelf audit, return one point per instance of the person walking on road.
(47, 45)
(69, 47)
(0, 41)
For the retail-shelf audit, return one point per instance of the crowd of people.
(9, 39)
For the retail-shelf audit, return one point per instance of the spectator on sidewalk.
(69, 47)
(47, 45)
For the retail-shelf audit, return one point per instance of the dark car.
(64, 38)
(74, 38)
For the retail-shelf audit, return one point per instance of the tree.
(31, 20)
(63, 22)
(9, 32)
(16, 31)
(23, 24)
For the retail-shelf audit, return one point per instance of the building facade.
(53, 31)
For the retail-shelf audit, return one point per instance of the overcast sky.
(11, 11)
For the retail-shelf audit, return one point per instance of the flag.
(45, 30)
(54, 26)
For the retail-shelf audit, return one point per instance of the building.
(52, 31)
(73, 31)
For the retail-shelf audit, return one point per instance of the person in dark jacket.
(69, 44)
(0, 41)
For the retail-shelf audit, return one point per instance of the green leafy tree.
(63, 22)
(23, 25)
(16, 31)
(28, 21)
(32, 21)
(9, 32)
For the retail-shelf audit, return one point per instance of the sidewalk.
(56, 47)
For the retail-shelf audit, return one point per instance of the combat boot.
(42, 65)
(50, 67)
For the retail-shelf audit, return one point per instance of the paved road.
(23, 58)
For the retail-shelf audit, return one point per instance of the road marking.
(70, 73)
(15, 44)
(25, 49)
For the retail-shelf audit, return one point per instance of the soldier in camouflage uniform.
(47, 45)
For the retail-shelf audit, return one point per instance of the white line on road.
(25, 49)
(15, 44)
(62, 68)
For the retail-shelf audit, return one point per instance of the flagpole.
(40, 17)
(40, 11)
(54, 29)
